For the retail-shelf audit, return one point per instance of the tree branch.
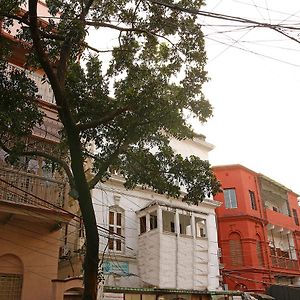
(43, 57)
(127, 29)
(88, 4)
(62, 163)
(104, 120)
(120, 149)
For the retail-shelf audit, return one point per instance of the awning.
(261, 296)
(140, 290)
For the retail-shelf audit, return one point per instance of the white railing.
(44, 88)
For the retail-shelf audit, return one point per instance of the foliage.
(130, 110)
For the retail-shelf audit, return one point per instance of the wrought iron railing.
(284, 263)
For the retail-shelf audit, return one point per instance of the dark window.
(230, 198)
(172, 227)
(295, 217)
(168, 221)
(111, 217)
(252, 200)
(288, 208)
(142, 224)
(119, 218)
(153, 222)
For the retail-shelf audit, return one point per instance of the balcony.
(279, 219)
(49, 130)
(284, 263)
(44, 88)
(173, 241)
(29, 189)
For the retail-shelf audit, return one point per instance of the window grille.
(10, 286)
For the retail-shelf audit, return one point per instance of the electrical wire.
(76, 217)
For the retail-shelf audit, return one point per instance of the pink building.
(31, 198)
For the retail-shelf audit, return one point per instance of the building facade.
(32, 197)
(163, 247)
(258, 230)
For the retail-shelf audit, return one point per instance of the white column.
(147, 222)
(159, 219)
(193, 225)
(177, 222)
(213, 260)
(177, 230)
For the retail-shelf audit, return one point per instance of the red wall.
(250, 224)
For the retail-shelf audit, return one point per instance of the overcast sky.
(255, 95)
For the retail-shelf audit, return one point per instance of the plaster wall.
(37, 250)
(162, 259)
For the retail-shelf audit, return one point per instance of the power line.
(256, 53)
(76, 217)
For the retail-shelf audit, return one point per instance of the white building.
(166, 244)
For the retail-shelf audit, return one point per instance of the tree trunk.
(57, 80)
(91, 260)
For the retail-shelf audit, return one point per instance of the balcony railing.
(44, 88)
(30, 189)
(284, 263)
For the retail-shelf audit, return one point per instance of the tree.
(129, 111)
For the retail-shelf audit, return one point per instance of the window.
(235, 250)
(172, 226)
(185, 224)
(168, 221)
(115, 229)
(230, 198)
(200, 227)
(153, 220)
(252, 200)
(10, 286)
(295, 217)
(11, 277)
(259, 253)
(143, 227)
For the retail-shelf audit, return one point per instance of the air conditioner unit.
(64, 252)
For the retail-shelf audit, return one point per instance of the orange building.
(258, 229)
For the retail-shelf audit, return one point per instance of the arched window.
(235, 250)
(259, 252)
(11, 277)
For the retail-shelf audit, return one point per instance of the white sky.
(255, 99)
